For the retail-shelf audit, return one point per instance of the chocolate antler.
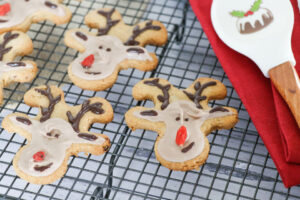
(6, 39)
(109, 22)
(165, 98)
(138, 31)
(197, 97)
(46, 112)
(95, 108)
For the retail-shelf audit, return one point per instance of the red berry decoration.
(181, 136)
(88, 61)
(248, 13)
(5, 8)
(39, 156)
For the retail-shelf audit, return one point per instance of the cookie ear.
(219, 118)
(18, 72)
(135, 51)
(24, 120)
(51, 10)
(148, 114)
(77, 39)
(144, 118)
(17, 123)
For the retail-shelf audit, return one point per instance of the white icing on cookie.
(108, 52)
(53, 137)
(22, 9)
(13, 66)
(177, 114)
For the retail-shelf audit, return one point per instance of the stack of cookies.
(182, 118)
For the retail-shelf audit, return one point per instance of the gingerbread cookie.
(56, 133)
(104, 54)
(182, 119)
(13, 44)
(20, 14)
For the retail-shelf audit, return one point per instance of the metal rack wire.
(238, 167)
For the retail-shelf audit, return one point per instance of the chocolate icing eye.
(50, 5)
(81, 36)
(186, 119)
(100, 47)
(177, 118)
(108, 49)
(24, 120)
(87, 136)
(135, 50)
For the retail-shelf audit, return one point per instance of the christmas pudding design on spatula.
(264, 35)
(56, 133)
(255, 19)
(182, 119)
(115, 47)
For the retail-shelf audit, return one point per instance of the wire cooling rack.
(239, 166)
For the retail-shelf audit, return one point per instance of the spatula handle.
(286, 80)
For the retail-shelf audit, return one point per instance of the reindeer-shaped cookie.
(56, 133)
(116, 46)
(20, 14)
(182, 119)
(13, 44)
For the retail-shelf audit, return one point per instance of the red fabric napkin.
(268, 111)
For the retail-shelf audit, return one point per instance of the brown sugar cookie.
(13, 44)
(20, 14)
(182, 119)
(56, 133)
(116, 46)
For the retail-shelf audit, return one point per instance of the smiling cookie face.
(183, 139)
(102, 56)
(181, 118)
(51, 139)
(57, 132)
(116, 46)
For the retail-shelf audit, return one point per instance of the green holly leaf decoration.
(255, 7)
(239, 14)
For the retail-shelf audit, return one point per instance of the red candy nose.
(181, 136)
(39, 156)
(5, 8)
(88, 61)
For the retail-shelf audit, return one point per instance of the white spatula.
(262, 31)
